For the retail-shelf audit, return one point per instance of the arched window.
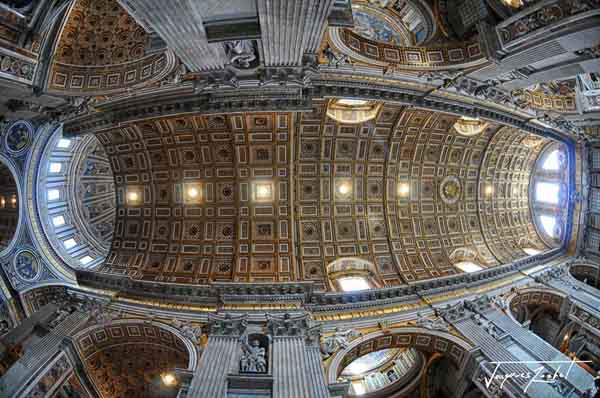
(353, 283)
(352, 111)
(467, 259)
(531, 251)
(548, 196)
(468, 266)
(352, 274)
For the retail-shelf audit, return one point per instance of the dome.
(76, 199)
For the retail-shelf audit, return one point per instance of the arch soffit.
(405, 337)
(535, 296)
(84, 341)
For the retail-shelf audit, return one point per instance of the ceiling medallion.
(450, 190)
(18, 137)
(26, 265)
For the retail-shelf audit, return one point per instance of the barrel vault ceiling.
(300, 160)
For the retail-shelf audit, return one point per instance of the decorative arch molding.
(409, 337)
(21, 203)
(581, 271)
(467, 254)
(542, 298)
(457, 56)
(85, 340)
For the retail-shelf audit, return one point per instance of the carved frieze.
(16, 67)
(536, 18)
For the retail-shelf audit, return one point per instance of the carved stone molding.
(437, 323)
(227, 325)
(455, 313)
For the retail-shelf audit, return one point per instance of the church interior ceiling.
(102, 49)
(279, 196)
(394, 186)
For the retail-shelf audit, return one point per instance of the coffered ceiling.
(126, 360)
(281, 195)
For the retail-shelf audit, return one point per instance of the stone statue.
(437, 323)
(333, 59)
(241, 53)
(191, 332)
(253, 358)
(339, 340)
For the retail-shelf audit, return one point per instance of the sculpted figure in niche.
(253, 357)
(241, 53)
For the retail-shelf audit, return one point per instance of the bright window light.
(63, 143)
(86, 260)
(352, 102)
(58, 221)
(547, 192)
(552, 161)
(531, 251)
(468, 266)
(53, 194)
(548, 223)
(55, 167)
(353, 284)
(69, 243)
(358, 388)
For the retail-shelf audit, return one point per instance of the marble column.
(181, 26)
(291, 29)
(219, 358)
(297, 368)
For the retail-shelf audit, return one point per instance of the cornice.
(301, 294)
(251, 97)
